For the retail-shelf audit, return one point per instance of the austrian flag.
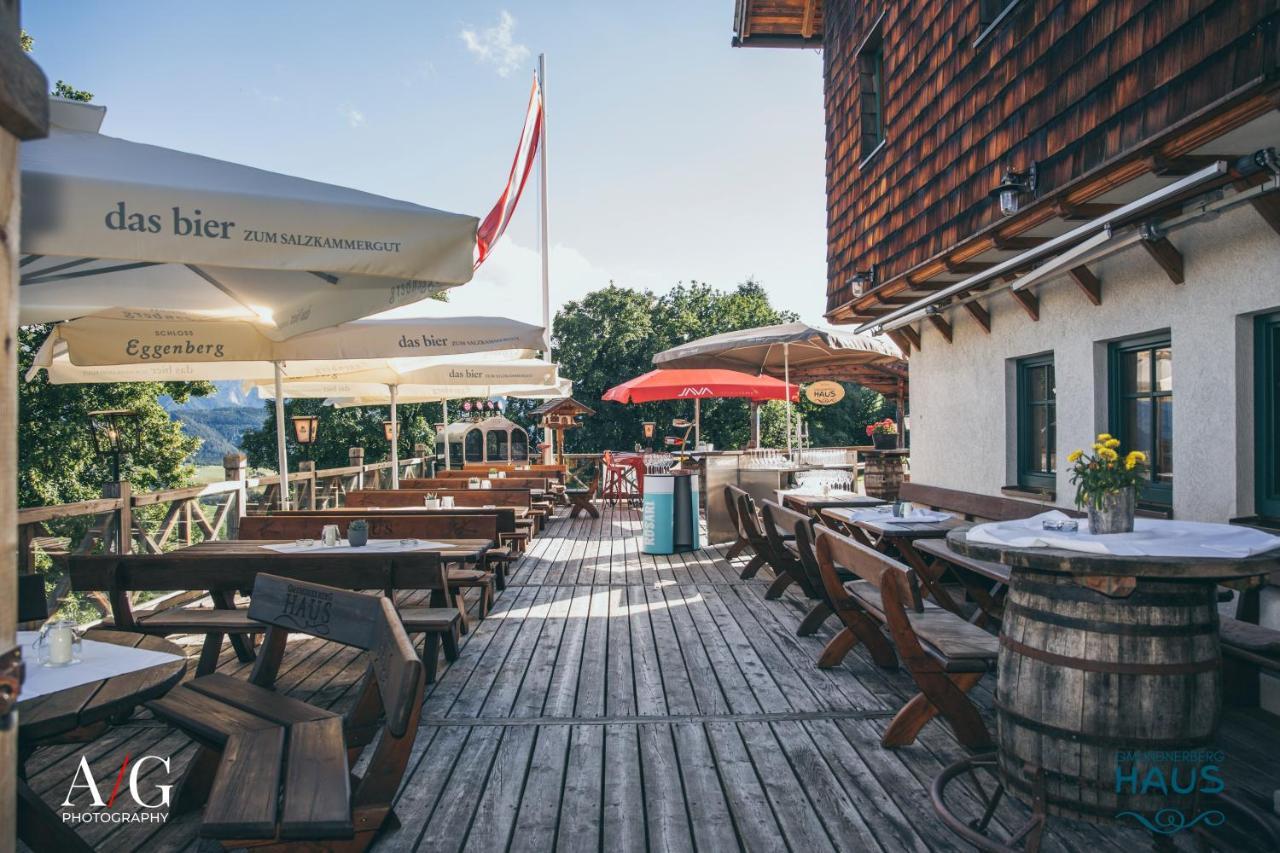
(495, 223)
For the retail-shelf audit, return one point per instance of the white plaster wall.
(962, 400)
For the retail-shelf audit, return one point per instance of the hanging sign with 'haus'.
(824, 393)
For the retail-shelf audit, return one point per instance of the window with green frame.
(1037, 423)
(1141, 410)
(1267, 409)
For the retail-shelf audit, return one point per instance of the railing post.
(355, 458)
(124, 515)
(307, 472)
(235, 469)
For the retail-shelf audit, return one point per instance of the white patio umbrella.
(796, 351)
(112, 224)
(419, 376)
(170, 347)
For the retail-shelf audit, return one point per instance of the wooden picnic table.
(225, 567)
(78, 715)
(896, 538)
(813, 504)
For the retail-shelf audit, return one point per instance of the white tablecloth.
(1150, 538)
(391, 546)
(97, 661)
(885, 515)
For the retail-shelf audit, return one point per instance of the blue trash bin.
(670, 513)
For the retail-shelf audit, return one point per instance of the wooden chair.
(581, 500)
(802, 548)
(945, 655)
(274, 772)
(753, 529)
(741, 543)
(785, 562)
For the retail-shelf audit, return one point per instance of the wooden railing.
(152, 522)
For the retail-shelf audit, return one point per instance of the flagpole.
(549, 455)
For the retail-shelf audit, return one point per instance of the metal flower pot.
(1114, 512)
(884, 440)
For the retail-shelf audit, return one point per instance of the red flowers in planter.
(884, 427)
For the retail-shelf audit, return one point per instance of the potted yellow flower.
(1107, 484)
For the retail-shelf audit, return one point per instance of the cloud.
(497, 46)
(353, 116)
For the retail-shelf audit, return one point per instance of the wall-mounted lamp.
(1012, 187)
(649, 427)
(864, 280)
(306, 428)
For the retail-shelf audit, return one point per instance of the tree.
(611, 335)
(57, 461)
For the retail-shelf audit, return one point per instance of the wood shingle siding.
(1067, 84)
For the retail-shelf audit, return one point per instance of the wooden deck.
(617, 701)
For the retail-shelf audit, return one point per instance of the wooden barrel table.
(1108, 665)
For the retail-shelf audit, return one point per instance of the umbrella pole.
(444, 415)
(697, 422)
(395, 438)
(786, 378)
(282, 452)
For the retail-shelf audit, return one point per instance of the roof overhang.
(777, 23)
(1156, 171)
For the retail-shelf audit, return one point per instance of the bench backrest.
(367, 622)
(507, 482)
(970, 505)
(505, 515)
(470, 469)
(461, 497)
(898, 585)
(393, 525)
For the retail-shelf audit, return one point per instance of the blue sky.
(673, 155)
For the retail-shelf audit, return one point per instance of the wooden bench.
(468, 499)
(223, 579)
(1247, 647)
(751, 527)
(510, 533)
(801, 547)
(740, 542)
(274, 770)
(541, 502)
(779, 529)
(945, 655)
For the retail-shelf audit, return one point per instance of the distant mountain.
(221, 429)
(229, 394)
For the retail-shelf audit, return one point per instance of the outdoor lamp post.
(306, 429)
(114, 433)
(649, 427)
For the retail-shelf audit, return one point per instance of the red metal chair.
(619, 480)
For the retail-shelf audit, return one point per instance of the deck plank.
(626, 701)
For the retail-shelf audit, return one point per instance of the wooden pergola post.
(24, 114)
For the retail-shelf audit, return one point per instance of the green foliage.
(341, 429)
(26, 41)
(71, 93)
(57, 459)
(611, 335)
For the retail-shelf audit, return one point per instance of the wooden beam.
(912, 335)
(1029, 302)
(1017, 244)
(901, 340)
(1268, 207)
(940, 323)
(1167, 256)
(968, 267)
(977, 312)
(1088, 282)
(807, 20)
(1186, 164)
(1084, 210)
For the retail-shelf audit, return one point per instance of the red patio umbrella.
(697, 384)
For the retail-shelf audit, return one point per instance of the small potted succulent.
(884, 434)
(358, 533)
(432, 500)
(1107, 484)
